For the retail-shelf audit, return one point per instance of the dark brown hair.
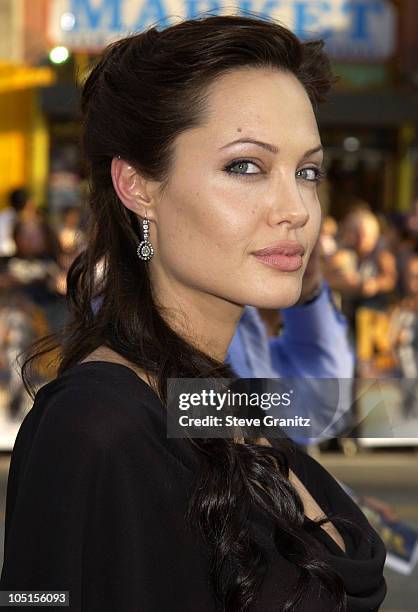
(143, 93)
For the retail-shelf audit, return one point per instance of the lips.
(284, 247)
(285, 255)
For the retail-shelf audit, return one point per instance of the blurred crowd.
(370, 262)
(36, 252)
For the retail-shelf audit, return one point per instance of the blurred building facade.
(369, 126)
(23, 131)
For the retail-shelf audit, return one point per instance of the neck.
(204, 320)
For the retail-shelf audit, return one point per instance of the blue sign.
(352, 28)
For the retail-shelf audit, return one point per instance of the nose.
(288, 205)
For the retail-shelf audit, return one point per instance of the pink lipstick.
(285, 255)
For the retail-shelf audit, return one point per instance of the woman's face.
(224, 202)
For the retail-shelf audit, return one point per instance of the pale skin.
(206, 223)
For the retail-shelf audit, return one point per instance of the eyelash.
(320, 173)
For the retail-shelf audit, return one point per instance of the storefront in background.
(368, 127)
(23, 137)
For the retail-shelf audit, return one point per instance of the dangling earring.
(145, 250)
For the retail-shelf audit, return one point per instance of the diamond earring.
(145, 250)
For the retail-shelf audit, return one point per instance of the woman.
(204, 135)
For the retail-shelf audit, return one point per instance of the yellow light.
(59, 55)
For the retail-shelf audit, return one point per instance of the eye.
(312, 174)
(242, 165)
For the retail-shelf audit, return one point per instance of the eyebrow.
(270, 147)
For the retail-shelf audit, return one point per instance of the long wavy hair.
(145, 90)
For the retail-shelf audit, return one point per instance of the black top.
(95, 503)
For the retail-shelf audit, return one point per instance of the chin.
(284, 297)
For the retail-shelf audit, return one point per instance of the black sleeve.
(70, 504)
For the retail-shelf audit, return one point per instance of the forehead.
(262, 103)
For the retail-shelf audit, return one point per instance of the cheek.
(314, 223)
(206, 221)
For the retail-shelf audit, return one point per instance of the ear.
(131, 188)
